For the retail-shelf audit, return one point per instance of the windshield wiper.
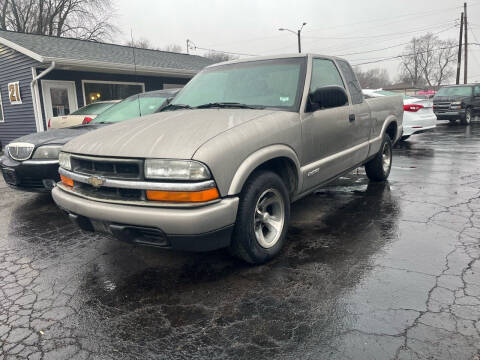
(228, 105)
(175, 107)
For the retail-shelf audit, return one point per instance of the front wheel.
(468, 117)
(262, 218)
(378, 169)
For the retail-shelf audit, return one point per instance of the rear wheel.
(378, 169)
(467, 120)
(262, 218)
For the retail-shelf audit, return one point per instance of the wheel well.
(392, 130)
(283, 167)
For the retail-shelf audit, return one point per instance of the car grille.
(442, 107)
(110, 168)
(108, 193)
(128, 169)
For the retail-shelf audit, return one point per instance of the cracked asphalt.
(371, 271)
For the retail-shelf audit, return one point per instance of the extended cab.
(220, 165)
(457, 102)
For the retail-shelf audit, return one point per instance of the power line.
(402, 55)
(360, 46)
(390, 47)
(381, 35)
(195, 47)
(389, 20)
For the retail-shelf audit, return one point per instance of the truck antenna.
(135, 68)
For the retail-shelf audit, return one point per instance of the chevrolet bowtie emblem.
(96, 181)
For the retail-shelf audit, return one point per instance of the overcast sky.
(333, 27)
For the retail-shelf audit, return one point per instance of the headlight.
(47, 152)
(20, 151)
(64, 161)
(176, 170)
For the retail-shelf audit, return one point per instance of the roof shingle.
(74, 49)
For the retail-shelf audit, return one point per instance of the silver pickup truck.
(220, 166)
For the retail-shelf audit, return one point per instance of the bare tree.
(373, 78)
(141, 43)
(83, 19)
(218, 56)
(173, 48)
(429, 60)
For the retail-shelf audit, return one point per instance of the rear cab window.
(352, 82)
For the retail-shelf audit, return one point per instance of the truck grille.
(441, 107)
(108, 193)
(128, 169)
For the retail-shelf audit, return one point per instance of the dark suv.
(457, 102)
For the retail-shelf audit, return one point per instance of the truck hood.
(170, 134)
(57, 136)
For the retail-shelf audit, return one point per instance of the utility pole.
(459, 63)
(465, 80)
(299, 42)
(188, 46)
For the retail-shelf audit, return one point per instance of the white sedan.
(82, 116)
(418, 115)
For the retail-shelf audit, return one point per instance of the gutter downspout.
(34, 94)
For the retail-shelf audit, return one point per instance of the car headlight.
(176, 170)
(64, 161)
(19, 151)
(50, 152)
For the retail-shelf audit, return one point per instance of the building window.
(109, 90)
(2, 119)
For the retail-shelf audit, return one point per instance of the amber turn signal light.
(66, 181)
(183, 196)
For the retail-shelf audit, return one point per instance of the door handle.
(351, 117)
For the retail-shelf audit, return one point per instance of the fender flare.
(389, 120)
(259, 157)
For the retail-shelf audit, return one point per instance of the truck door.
(362, 122)
(325, 132)
(476, 100)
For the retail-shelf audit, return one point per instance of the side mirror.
(328, 97)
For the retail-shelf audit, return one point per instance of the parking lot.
(371, 271)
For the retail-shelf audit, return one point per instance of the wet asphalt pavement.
(371, 271)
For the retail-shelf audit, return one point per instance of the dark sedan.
(30, 163)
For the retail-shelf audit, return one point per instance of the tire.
(255, 240)
(468, 117)
(378, 169)
(405, 137)
(452, 121)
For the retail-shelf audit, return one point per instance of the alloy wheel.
(269, 218)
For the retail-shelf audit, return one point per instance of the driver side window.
(324, 73)
(476, 91)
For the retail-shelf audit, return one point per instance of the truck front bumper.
(30, 175)
(451, 115)
(190, 229)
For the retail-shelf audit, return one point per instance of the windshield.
(455, 91)
(132, 107)
(93, 109)
(270, 83)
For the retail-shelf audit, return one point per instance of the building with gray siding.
(64, 74)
